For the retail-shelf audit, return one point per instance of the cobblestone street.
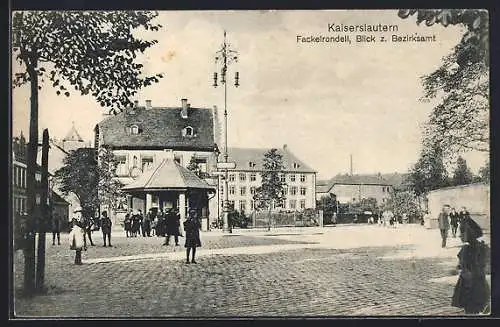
(351, 270)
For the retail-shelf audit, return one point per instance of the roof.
(56, 198)
(251, 159)
(366, 179)
(73, 135)
(168, 174)
(395, 179)
(160, 127)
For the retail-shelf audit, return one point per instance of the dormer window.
(296, 165)
(251, 164)
(188, 132)
(134, 130)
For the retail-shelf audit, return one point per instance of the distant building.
(353, 188)
(19, 177)
(300, 179)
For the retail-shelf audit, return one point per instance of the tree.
(94, 52)
(80, 175)
(109, 189)
(405, 202)
(462, 174)
(429, 172)
(460, 120)
(484, 172)
(368, 204)
(195, 167)
(271, 193)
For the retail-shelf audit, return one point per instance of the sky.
(326, 101)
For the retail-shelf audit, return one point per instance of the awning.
(168, 175)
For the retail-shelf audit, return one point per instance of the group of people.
(155, 222)
(166, 225)
(471, 290)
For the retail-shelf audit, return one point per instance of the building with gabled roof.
(352, 188)
(300, 179)
(141, 137)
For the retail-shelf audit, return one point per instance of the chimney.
(285, 147)
(148, 104)
(350, 170)
(136, 103)
(184, 109)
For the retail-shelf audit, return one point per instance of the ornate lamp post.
(224, 57)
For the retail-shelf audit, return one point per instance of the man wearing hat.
(472, 291)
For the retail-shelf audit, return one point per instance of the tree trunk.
(44, 213)
(29, 250)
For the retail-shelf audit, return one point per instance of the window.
(292, 178)
(23, 178)
(252, 190)
(302, 178)
(243, 205)
(134, 130)
(202, 164)
(292, 204)
(243, 190)
(232, 177)
(188, 131)
(252, 205)
(23, 205)
(253, 177)
(14, 181)
(293, 190)
(296, 165)
(243, 177)
(282, 178)
(230, 204)
(285, 190)
(251, 164)
(302, 204)
(121, 165)
(147, 163)
(231, 189)
(303, 191)
(134, 161)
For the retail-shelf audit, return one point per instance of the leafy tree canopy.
(462, 174)
(79, 175)
(460, 120)
(90, 52)
(271, 192)
(429, 172)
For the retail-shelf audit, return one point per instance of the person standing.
(472, 292)
(146, 224)
(444, 224)
(77, 239)
(106, 228)
(463, 215)
(127, 222)
(56, 229)
(192, 228)
(173, 224)
(454, 217)
(140, 219)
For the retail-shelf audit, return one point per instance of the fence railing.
(285, 219)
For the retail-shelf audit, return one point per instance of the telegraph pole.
(224, 57)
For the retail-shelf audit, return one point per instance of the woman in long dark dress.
(192, 228)
(472, 292)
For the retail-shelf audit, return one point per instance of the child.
(77, 240)
(192, 229)
(472, 291)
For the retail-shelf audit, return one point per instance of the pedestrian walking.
(173, 223)
(77, 239)
(192, 229)
(56, 229)
(106, 228)
(472, 292)
(444, 224)
(454, 217)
